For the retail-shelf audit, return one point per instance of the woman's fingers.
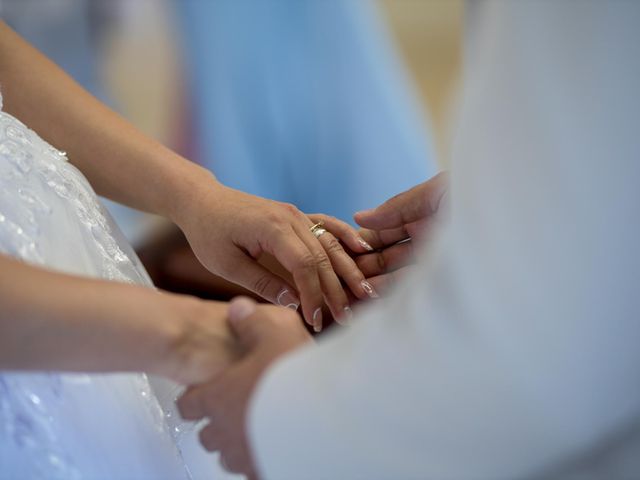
(343, 232)
(294, 255)
(268, 285)
(334, 294)
(343, 264)
(346, 268)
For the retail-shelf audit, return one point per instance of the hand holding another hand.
(264, 334)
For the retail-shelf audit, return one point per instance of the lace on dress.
(47, 206)
(26, 153)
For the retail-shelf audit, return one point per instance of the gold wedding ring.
(317, 229)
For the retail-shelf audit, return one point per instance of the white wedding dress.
(71, 426)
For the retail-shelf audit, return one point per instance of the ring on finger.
(317, 229)
(318, 232)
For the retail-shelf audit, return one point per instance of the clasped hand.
(266, 333)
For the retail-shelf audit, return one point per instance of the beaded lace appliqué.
(23, 155)
(26, 161)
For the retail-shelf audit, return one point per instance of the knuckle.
(290, 208)
(332, 246)
(322, 260)
(307, 262)
(262, 284)
(274, 218)
(270, 214)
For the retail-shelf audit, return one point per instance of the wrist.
(196, 343)
(187, 189)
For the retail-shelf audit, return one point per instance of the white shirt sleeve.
(516, 344)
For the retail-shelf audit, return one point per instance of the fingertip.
(364, 244)
(368, 218)
(317, 320)
(307, 316)
(241, 308)
(362, 213)
(368, 289)
(287, 298)
(358, 216)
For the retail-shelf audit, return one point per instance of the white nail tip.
(366, 286)
(365, 245)
(317, 320)
(286, 299)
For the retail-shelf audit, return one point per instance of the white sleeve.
(516, 344)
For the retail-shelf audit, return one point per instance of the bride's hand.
(196, 337)
(228, 230)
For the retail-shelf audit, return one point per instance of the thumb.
(418, 203)
(239, 316)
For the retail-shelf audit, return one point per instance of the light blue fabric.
(63, 31)
(303, 101)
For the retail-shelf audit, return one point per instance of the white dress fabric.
(70, 426)
(514, 351)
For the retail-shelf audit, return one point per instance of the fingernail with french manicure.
(348, 315)
(365, 245)
(317, 320)
(287, 299)
(369, 290)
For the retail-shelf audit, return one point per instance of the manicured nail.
(365, 245)
(287, 299)
(348, 314)
(369, 290)
(317, 320)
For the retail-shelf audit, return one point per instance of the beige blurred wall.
(429, 36)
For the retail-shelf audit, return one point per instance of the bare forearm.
(53, 321)
(120, 162)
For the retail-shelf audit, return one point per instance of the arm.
(110, 152)
(52, 321)
(227, 229)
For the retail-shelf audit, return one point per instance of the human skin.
(227, 229)
(56, 322)
(266, 334)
